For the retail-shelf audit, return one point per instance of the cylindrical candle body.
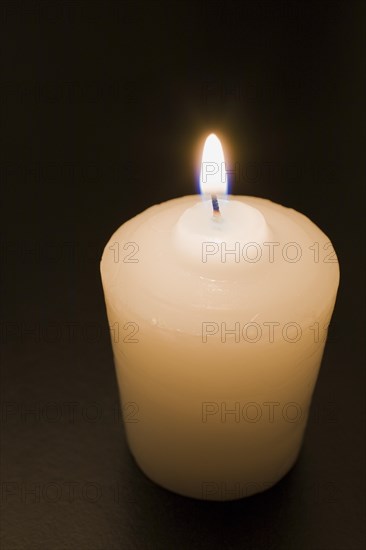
(217, 356)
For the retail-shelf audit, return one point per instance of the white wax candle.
(218, 329)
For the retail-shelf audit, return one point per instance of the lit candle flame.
(213, 177)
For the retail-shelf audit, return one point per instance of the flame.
(213, 177)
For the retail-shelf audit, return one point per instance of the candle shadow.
(264, 520)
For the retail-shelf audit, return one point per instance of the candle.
(218, 308)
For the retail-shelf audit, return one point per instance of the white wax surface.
(238, 222)
(170, 372)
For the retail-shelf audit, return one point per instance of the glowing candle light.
(218, 307)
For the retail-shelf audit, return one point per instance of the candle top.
(198, 230)
(285, 281)
(238, 255)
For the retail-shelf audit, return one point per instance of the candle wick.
(215, 205)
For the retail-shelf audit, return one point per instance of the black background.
(105, 106)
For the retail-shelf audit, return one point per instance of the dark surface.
(104, 106)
